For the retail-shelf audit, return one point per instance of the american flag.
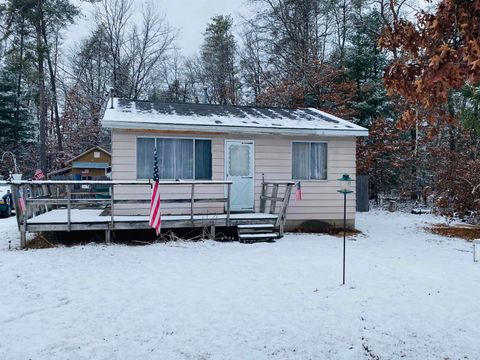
(21, 201)
(155, 210)
(298, 191)
(39, 175)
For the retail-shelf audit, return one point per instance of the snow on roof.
(134, 114)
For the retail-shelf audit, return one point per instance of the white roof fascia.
(227, 129)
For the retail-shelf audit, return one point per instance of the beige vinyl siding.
(273, 157)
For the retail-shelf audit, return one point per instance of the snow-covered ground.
(409, 295)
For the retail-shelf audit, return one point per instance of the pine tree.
(366, 64)
(36, 21)
(218, 60)
(14, 130)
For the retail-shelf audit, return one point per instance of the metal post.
(344, 231)
(345, 181)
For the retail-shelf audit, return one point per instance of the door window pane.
(203, 159)
(239, 160)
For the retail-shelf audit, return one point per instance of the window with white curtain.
(177, 158)
(309, 161)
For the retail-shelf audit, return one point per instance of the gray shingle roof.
(157, 115)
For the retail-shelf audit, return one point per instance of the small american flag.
(155, 210)
(298, 191)
(21, 201)
(39, 175)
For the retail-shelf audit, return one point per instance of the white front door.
(239, 169)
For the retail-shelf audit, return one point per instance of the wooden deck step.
(257, 236)
(255, 228)
(251, 233)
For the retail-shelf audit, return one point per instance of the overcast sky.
(188, 16)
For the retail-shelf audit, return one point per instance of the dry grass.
(39, 242)
(349, 232)
(331, 231)
(466, 232)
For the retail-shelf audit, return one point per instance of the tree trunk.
(42, 99)
(18, 90)
(54, 88)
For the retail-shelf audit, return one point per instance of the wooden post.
(283, 213)
(23, 233)
(18, 213)
(273, 201)
(31, 210)
(212, 232)
(229, 192)
(112, 207)
(46, 192)
(69, 207)
(263, 201)
(23, 239)
(192, 202)
(107, 236)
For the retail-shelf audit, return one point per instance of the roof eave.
(96, 147)
(227, 129)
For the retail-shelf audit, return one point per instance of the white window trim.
(309, 142)
(170, 137)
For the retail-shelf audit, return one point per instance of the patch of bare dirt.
(39, 242)
(465, 232)
(331, 231)
(349, 232)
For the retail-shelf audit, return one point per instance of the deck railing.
(39, 197)
(276, 192)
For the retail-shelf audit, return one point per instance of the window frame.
(174, 138)
(327, 159)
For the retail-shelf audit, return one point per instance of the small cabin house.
(93, 163)
(245, 145)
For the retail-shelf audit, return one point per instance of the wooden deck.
(85, 219)
(51, 206)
